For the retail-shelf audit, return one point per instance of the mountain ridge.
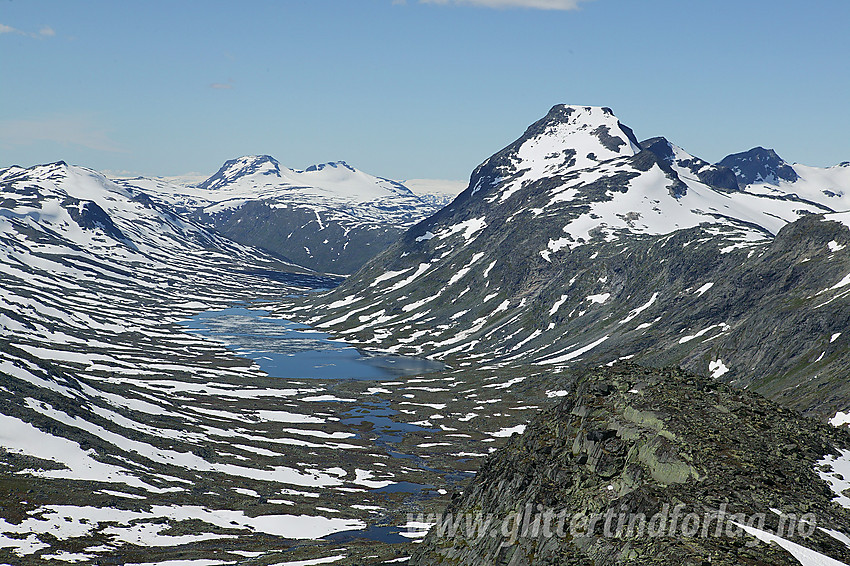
(329, 217)
(580, 263)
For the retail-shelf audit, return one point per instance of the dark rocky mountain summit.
(233, 169)
(643, 466)
(759, 165)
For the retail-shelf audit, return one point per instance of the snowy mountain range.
(579, 244)
(329, 217)
(605, 181)
(125, 437)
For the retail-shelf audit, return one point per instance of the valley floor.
(153, 444)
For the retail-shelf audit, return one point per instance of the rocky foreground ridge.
(631, 441)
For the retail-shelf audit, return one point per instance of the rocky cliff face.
(648, 466)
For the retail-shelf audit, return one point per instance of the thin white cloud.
(531, 4)
(45, 31)
(223, 86)
(73, 130)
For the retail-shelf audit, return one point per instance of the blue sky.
(410, 89)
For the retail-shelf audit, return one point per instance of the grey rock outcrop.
(632, 444)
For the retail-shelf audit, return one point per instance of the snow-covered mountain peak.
(568, 138)
(241, 167)
(648, 188)
(45, 172)
(69, 181)
(759, 165)
(47, 169)
(593, 133)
